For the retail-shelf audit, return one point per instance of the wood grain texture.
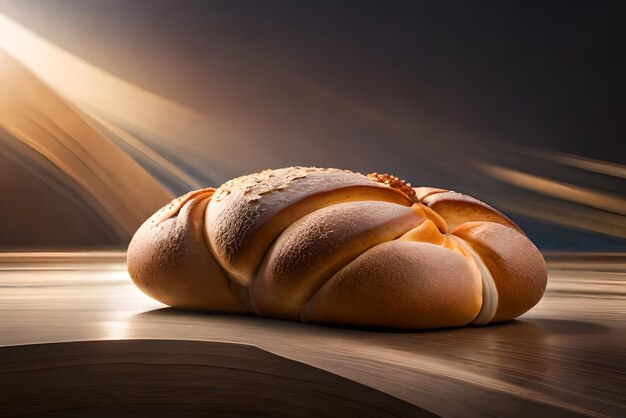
(178, 378)
(566, 357)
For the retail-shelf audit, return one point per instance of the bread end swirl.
(168, 259)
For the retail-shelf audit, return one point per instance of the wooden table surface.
(566, 357)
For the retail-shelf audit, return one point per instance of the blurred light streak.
(588, 164)
(85, 84)
(560, 190)
(145, 150)
(581, 218)
(114, 185)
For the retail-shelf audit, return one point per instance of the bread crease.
(333, 246)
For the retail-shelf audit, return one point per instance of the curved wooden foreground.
(566, 357)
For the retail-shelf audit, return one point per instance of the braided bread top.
(334, 246)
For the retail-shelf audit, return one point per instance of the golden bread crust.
(334, 246)
(456, 208)
(400, 284)
(516, 265)
(317, 245)
(168, 259)
(249, 212)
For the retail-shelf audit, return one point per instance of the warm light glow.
(99, 92)
(598, 211)
(568, 192)
(114, 330)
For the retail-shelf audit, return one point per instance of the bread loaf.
(338, 247)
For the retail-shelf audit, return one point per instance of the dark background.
(418, 89)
